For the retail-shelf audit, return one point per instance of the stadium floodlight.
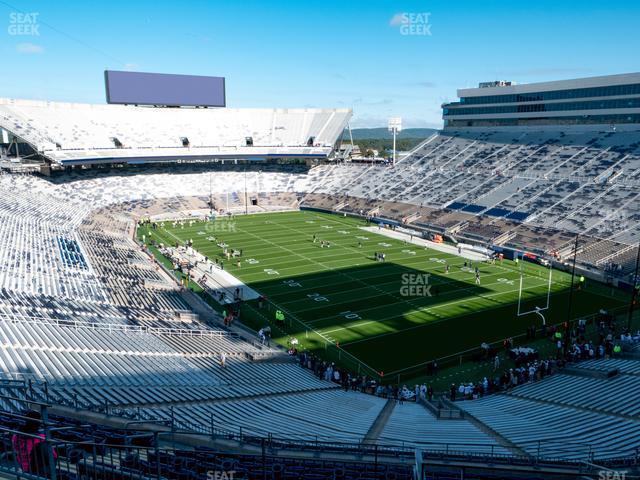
(395, 126)
(635, 284)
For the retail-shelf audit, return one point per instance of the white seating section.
(72, 280)
(79, 356)
(585, 182)
(412, 424)
(332, 415)
(572, 181)
(42, 223)
(67, 132)
(575, 415)
(128, 365)
(32, 227)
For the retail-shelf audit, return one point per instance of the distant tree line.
(385, 146)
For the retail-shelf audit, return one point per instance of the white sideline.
(203, 213)
(416, 240)
(216, 279)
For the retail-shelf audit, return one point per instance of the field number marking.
(317, 297)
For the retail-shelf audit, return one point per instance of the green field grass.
(341, 295)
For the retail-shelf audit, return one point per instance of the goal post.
(537, 309)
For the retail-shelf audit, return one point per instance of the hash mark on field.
(414, 327)
(408, 264)
(400, 299)
(456, 292)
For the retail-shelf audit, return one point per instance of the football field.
(417, 305)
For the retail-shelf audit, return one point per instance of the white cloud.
(371, 101)
(130, 66)
(29, 48)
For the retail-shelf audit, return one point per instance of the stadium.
(191, 291)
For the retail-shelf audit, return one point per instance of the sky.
(381, 58)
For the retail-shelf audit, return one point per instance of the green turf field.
(348, 298)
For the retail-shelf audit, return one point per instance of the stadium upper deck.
(70, 133)
(531, 190)
(610, 99)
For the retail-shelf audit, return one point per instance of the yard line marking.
(422, 325)
(373, 277)
(422, 308)
(401, 299)
(406, 265)
(344, 344)
(415, 307)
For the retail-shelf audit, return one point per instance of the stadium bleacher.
(416, 426)
(88, 319)
(575, 182)
(511, 183)
(593, 417)
(85, 450)
(70, 133)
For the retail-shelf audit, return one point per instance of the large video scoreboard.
(138, 88)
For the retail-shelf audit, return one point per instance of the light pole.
(210, 196)
(246, 195)
(634, 289)
(570, 302)
(395, 126)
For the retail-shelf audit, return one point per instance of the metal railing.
(135, 451)
(116, 327)
(312, 340)
(458, 358)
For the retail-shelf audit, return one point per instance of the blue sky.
(316, 53)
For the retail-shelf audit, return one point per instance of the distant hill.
(380, 139)
(385, 134)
